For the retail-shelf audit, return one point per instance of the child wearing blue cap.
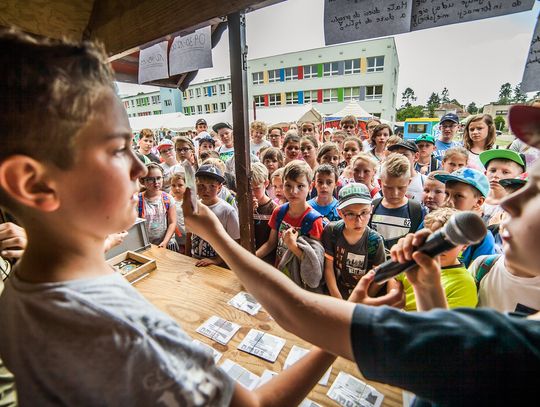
(466, 190)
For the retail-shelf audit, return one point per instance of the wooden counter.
(191, 295)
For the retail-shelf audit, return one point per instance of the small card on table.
(348, 391)
(240, 374)
(245, 302)
(218, 329)
(215, 354)
(298, 353)
(263, 345)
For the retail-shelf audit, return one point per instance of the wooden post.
(238, 57)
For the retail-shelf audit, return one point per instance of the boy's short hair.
(308, 123)
(311, 139)
(325, 148)
(454, 151)
(259, 173)
(340, 133)
(356, 140)
(275, 128)
(295, 169)
(367, 158)
(49, 92)
(326, 169)
(205, 155)
(257, 125)
(349, 119)
(272, 153)
(438, 218)
(217, 162)
(393, 140)
(277, 173)
(154, 166)
(146, 133)
(178, 176)
(396, 165)
(291, 137)
(184, 139)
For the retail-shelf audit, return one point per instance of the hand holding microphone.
(462, 228)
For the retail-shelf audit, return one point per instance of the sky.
(471, 59)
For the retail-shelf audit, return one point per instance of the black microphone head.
(465, 228)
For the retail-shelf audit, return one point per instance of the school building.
(164, 100)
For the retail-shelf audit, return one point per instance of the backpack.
(166, 201)
(485, 266)
(307, 222)
(415, 212)
(373, 244)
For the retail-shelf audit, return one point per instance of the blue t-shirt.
(329, 211)
(485, 247)
(441, 147)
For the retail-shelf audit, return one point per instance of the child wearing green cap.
(351, 248)
(426, 162)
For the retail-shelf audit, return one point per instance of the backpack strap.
(308, 221)
(281, 214)
(416, 214)
(140, 206)
(165, 197)
(433, 163)
(485, 266)
(375, 204)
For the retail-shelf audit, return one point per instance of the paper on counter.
(218, 329)
(349, 391)
(240, 374)
(245, 302)
(263, 345)
(298, 353)
(215, 354)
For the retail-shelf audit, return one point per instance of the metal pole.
(238, 57)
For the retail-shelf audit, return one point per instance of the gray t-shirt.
(98, 342)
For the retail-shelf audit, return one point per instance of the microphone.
(462, 228)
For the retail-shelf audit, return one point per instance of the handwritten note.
(353, 20)
(191, 52)
(531, 75)
(434, 13)
(153, 63)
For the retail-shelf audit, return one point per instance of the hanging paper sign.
(353, 20)
(435, 13)
(531, 75)
(153, 63)
(191, 52)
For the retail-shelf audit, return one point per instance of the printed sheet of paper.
(352, 20)
(531, 75)
(263, 345)
(245, 302)
(218, 329)
(153, 63)
(435, 13)
(308, 403)
(349, 391)
(240, 374)
(298, 353)
(215, 354)
(191, 52)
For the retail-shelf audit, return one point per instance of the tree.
(499, 123)
(505, 94)
(407, 97)
(433, 102)
(472, 108)
(445, 98)
(455, 102)
(409, 112)
(519, 96)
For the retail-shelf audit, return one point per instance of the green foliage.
(409, 112)
(505, 94)
(407, 97)
(445, 98)
(519, 96)
(472, 108)
(433, 103)
(499, 122)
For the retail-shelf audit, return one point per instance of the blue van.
(412, 128)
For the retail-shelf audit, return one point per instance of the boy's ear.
(266, 183)
(479, 202)
(28, 182)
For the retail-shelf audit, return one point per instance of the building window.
(138, 102)
(291, 74)
(501, 112)
(187, 110)
(259, 100)
(126, 104)
(258, 78)
(291, 98)
(222, 105)
(198, 92)
(207, 108)
(185, 94)
(274, 99)
(375, 64)
(229, 86)
(310, 71)
(351, 93)
(190, 93)
(155, 100)
(330, 95)
(214, 107)
(199, 109)
(310, 96)
(374, 92)
(352, 66)
(157, 111)
(330, 69)
(168, 102)
(132, 103)
(273, 75)
(222, 88)
(214, 90)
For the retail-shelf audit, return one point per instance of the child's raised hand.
(394, 298)
(290, 236)
(204, 222)
(13, 240)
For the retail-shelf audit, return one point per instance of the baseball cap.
(212, 171)
(408, 144)
(520, 180)
(427, 138)
(487, 156)
(223, 125)
(525, 123)
(201, 121)
(205, 136)
(468, 176)
(165, 143)
(353, 193)
(329, 130)
(452, 117)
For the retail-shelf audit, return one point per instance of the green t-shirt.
(458, 284)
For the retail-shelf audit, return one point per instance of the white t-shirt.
(503, 291)
(416, 187)
(254, 148)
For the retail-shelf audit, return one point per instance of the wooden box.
(136, 240)
(133, 266)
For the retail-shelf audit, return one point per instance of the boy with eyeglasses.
(351, 247)
(449, 125)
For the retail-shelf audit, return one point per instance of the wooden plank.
(191, 295)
